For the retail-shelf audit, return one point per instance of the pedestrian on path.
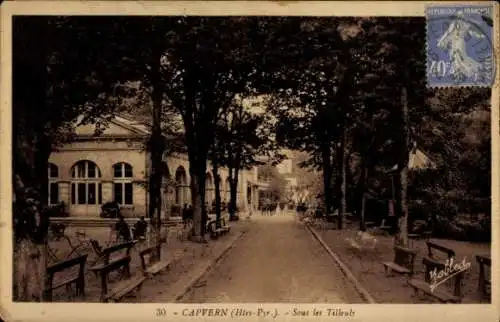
(140, 228)
(122, 230)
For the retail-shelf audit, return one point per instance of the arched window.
(227, 192)
(53, 174)
(209, 189)
(86, 188)
(181, 186)
(122, 183)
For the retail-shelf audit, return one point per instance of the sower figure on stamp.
(454, 40)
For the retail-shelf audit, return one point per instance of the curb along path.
(361, 290)
(204, 268)
(189, 274)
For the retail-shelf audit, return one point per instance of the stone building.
(113, 165)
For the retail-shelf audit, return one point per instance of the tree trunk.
(30, 262)
(198, 202)
(215, 171)
(327, 178)
(155, 178)
(31, 150)
(362, 199)
(401, 201)
(233, 183)
(30, 240)
(343, 167)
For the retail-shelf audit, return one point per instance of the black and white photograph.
(231, 158)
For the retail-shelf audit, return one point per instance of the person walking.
(122, 230)
(140, 229)
(185, 215)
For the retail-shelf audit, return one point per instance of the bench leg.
(415, 292)
(69, 289)
(80, 287)
(47, 294)
(480, 286)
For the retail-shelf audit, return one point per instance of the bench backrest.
(404, 257)
(63, 265)
(96, 247)
(114, 265)
(482, 260)
(115, 248)
(484, 266)
(433, 246)
(107, 268)
(150, 252)
(432, 265)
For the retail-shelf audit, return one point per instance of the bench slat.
(159, 266)
(113, 265)
(151, 268)
(115, 248)
(110, 265)
(397, 268)
(147, 250)
(59, 266)
(66, 281)
(425, 287)
(124, 287)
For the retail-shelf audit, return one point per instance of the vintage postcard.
(249, 160)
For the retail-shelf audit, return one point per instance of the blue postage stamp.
(460, 45)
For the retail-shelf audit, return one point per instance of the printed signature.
(450, 269)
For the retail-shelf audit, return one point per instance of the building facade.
(114, 165)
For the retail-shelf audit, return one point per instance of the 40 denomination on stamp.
(460, 45)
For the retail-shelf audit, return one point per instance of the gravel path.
(277, 260)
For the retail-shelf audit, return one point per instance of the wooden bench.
(440, 292)
(77, 278)
(149, 263)
(484, 283)
(104, 255)
(445, 250)
(403, 263)
(218, 231)
(212, 229)
(362, 241)
(122, 288)
(225, 228)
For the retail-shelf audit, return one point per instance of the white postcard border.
(133, 312)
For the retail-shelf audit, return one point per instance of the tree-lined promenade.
(349, 92)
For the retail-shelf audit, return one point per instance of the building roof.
(418, 160)
(122, 126)
(134, 125)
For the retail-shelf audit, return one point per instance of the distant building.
(418, 160)
(285, 167)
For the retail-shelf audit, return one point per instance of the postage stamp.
(460, 45)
